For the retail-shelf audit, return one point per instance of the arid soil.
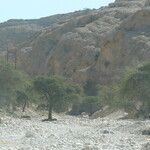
(72, 133)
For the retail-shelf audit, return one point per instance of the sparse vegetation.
(11, 81)
(90, 104)
(87, 104)
(90, 88)
(146, 132)
(90, 64)
(136, 88)
(56, 91)
(16, 90)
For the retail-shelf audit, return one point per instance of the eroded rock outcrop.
(90, 44)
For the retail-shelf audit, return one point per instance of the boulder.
(29, 134)
(26, 117)
(146, 147)
(89, 148)
(146, 132)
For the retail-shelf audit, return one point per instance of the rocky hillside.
(88, 44)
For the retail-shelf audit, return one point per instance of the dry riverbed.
(72, 133)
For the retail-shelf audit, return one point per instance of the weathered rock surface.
(90, 44)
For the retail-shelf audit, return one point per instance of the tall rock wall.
(93, 44)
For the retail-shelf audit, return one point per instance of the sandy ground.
(72, 133)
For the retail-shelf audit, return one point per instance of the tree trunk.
(24, 106)
(50, 112)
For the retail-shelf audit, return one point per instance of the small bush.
(90, 88)
(136, 87)
(89, 105)
(146, 132)
(11, 81)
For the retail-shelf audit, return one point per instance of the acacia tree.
(137, 87)
(22, 98)
(55, 90)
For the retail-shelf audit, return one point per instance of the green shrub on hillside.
(136, 87)
(90, 104)
(90, 88)
(11, 81)
(87, 104)
(109, 95)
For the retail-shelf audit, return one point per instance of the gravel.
(72, 133)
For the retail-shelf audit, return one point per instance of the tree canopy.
(55, 90)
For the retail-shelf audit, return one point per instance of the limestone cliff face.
(89, 44)
(128, 44)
